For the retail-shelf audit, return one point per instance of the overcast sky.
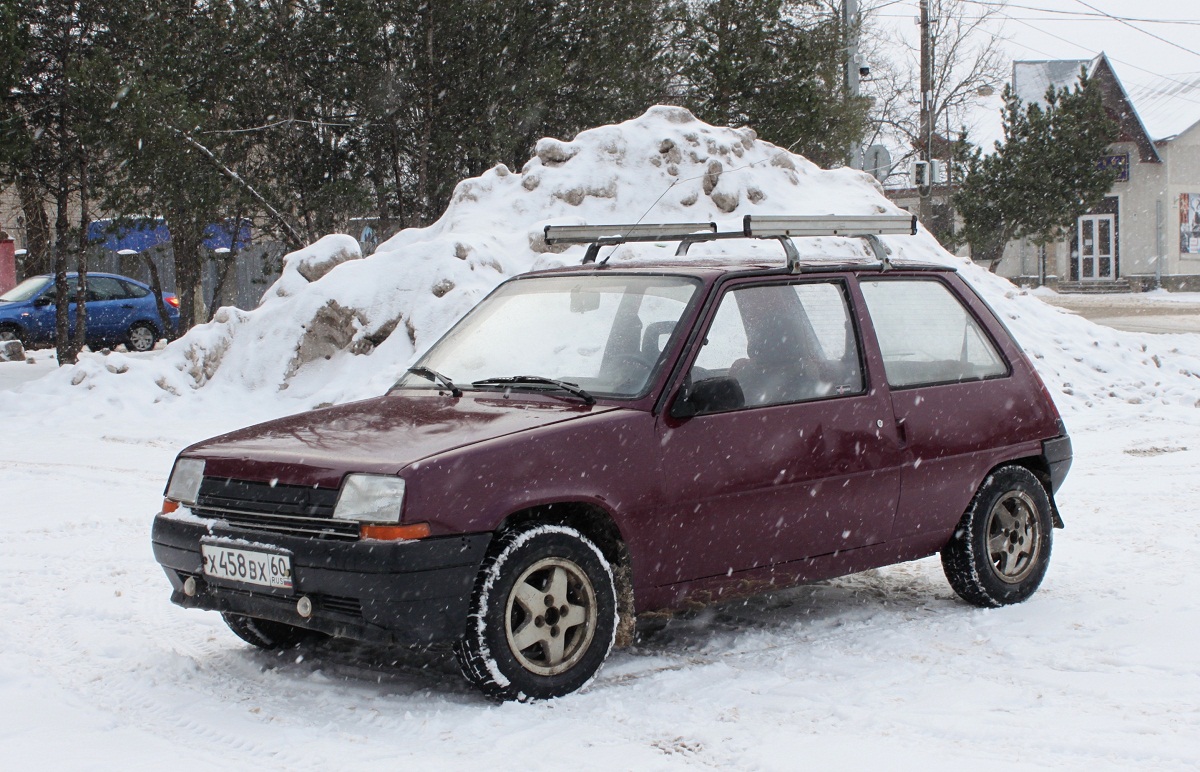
(1144, 39)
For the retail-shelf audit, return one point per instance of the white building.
(1147, 231)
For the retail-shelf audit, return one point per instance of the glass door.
(1097, 247)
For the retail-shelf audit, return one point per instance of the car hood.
(378, 436)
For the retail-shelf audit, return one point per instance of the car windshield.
(598, 334)
(26, 289)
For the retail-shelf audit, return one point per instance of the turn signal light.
(169, 506)
(394, 532)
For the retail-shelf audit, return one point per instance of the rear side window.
(104, 288)
(134, 291)
(927, 336)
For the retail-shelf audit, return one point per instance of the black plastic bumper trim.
(1058, 455)
(412, 592)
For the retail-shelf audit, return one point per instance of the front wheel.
(1001, 548)
(543, 618)
(12, 332)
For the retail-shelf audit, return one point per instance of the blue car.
(119, 310)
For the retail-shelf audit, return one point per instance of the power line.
(1139, 29)
(1000, 8)
(1075, 18)
(1094, 53)
(1096, 14)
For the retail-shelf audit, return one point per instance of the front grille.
(340, 605)
(294, 510)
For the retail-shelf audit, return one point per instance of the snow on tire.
(543, 618)
(1001, 548)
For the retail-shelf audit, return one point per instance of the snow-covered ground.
(1155, 311)
(885, 669)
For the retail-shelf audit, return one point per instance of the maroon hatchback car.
(592, 443)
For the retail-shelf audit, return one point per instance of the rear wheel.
(543, 618)
(266, 634)
(1000, 551)
(141, 337)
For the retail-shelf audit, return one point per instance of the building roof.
(1169, 105)
(1031, 79)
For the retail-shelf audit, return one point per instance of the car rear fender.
(1043, 467)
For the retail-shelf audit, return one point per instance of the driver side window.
(777, 344)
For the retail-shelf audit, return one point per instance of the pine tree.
(775, 65)
(1043, 176)
(48, 151)
(172, 73)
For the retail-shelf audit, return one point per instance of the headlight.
(370, 498)
(185, 480)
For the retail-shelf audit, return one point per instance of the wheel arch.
(146, 321)
(596, 524)
(1040, 467)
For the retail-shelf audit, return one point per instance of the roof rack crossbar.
(777, 227)
(855, 226)
(619, 234)
(686, 242)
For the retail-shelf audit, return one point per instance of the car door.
(954, 399)
(110, 310)
(806, 465)
(43, 315)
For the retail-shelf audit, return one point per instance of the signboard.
(1189, 223)
(1118, 162)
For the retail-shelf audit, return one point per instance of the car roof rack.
(779, 227)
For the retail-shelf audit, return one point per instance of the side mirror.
(44, 301)
(711, 395)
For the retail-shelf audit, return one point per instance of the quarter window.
(104, 288)
(927, 336)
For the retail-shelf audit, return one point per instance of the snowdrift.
(337, 326)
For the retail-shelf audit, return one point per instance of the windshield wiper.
(518, 380)
(437, 377)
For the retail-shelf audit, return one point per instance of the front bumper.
(410, 592)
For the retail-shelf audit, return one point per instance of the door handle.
(901, 433)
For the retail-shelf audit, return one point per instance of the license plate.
(265, 569)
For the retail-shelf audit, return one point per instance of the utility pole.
(850, 22)
(925, 151)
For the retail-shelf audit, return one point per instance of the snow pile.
(337, 327)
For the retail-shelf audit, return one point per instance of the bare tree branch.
(967, 60)
(295, 239)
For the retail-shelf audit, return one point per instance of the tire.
(269, 635)
(141, 337)
(543, 617)
(12, 332)
(1000, 550)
